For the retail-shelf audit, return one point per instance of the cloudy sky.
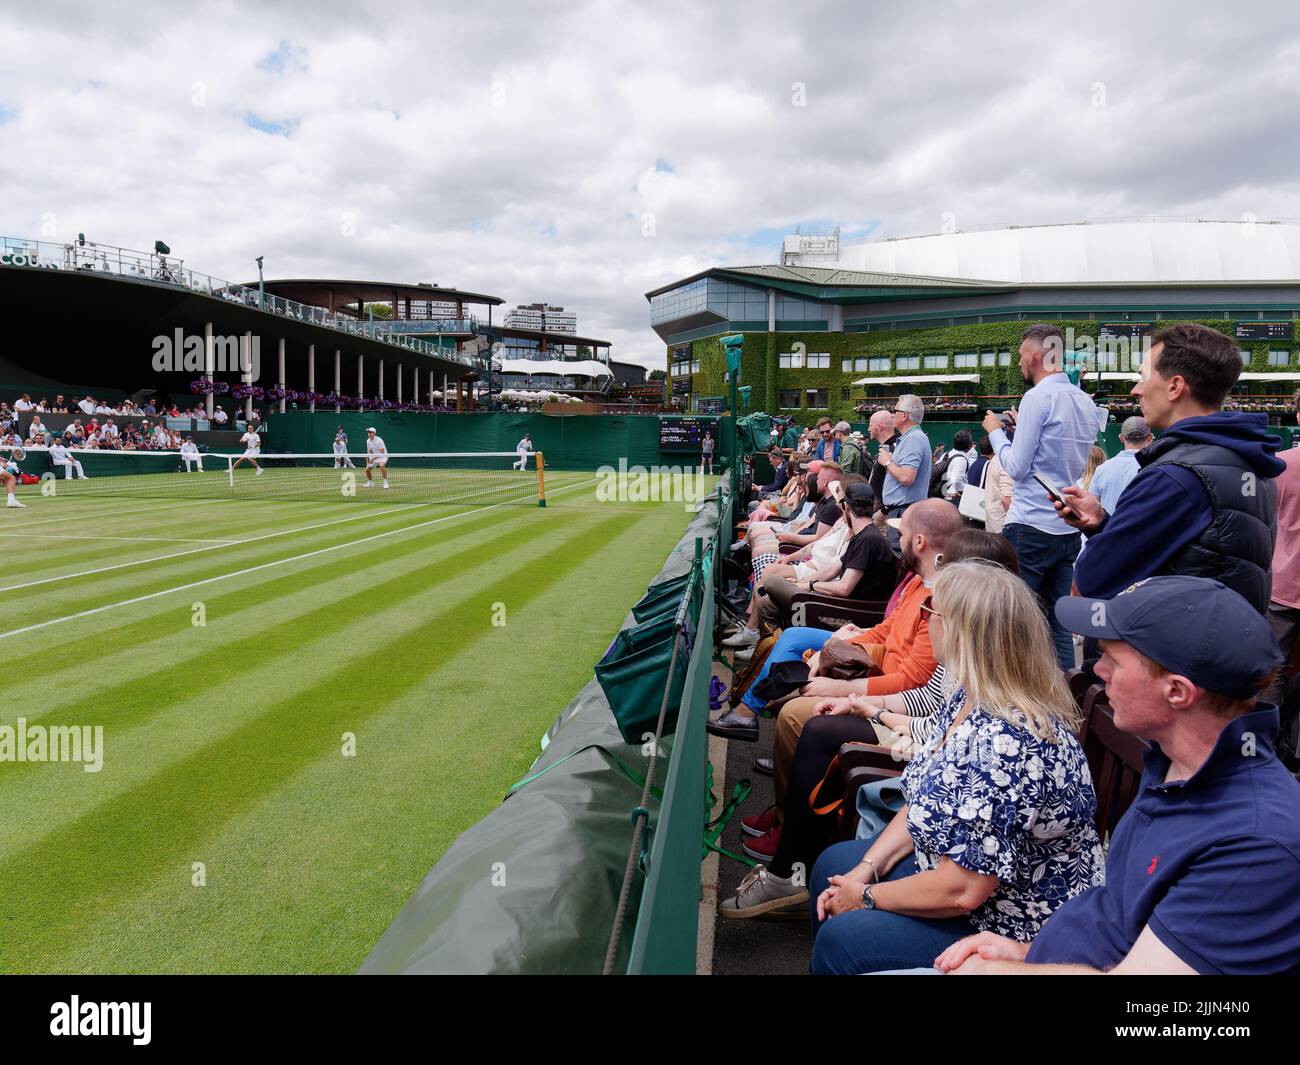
(584, 153)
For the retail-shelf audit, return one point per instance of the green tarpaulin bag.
(661, 597)
(634, 671)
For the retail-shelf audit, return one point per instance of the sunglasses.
(927, 608)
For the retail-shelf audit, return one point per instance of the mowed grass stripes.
(224, 743)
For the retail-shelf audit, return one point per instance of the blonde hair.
(996, 645)
(1095, 458)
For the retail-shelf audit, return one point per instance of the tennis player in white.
(376, 455)
(9, 474)
(190, 455)
(341, 456)
(252, 448)
(523, 448)
(61, 456)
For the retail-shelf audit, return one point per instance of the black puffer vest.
(1237, 548)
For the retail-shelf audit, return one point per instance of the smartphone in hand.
(1053, 491)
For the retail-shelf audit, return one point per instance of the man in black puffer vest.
(1203, 503)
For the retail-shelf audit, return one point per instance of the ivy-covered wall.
(760, 368)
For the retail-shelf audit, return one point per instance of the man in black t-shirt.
(866, 569)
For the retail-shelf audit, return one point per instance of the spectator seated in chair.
(901, 645)
(789, 832)
(1202, 868)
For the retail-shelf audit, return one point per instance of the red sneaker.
(759, 824)
(764, 847)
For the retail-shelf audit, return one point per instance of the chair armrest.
(789, 549)
(858, 755)
(831, 612)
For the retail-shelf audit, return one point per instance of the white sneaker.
(744, 654)
(15, 503)
(746, 637)
(259, 471)
(385, 484)
(763, 892)
(370, 484)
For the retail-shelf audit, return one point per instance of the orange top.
(908, 661)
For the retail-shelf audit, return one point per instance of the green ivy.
(761, 371)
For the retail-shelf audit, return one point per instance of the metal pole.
(338, 377)
(207, 365)
(248, 375)
(311, 375)
(281, 385)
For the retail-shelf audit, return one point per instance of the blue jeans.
(1047, 566)
(791, 644)
(871, 941)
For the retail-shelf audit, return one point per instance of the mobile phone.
(1052, 491)
(837, 492)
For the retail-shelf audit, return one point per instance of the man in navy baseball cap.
(1202, 868)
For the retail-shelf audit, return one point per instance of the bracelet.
(875, 873)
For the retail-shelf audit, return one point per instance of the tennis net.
(469, 477)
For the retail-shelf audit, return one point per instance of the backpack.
(937, 474)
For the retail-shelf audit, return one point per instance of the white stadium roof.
(1150, 251)
(587, 368)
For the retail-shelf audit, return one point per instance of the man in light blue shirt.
(1056, 425)
(1113, 475)
(907, 465)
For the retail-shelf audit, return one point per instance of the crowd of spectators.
(985, 855)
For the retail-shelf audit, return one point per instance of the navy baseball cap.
(1193, 626)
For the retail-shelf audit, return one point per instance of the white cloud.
(517, 149)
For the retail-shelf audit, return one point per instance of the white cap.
(370, 428)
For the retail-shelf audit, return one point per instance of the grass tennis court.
(223, 741)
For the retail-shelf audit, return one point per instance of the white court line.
(139, 539)
(266, 565)
(199, 550)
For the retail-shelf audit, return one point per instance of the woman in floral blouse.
(997, 831)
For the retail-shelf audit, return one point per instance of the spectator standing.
(850, 455)
(1284, 604)
(1204, 501)
(706, 453)
(961, 458)
(828, 447)
(907, 464)
(1056, 425)
(1113, 475)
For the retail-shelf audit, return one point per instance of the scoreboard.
(1264, 330)
(683, 434)
(1131, 331)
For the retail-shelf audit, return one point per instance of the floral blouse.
(998, 800)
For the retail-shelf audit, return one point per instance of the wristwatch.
(868, 899)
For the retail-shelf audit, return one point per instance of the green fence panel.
(667, 926)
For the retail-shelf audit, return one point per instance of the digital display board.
(680, 352)
(683, 434)
(681, 386)
(1125, 330)
(1264, 330)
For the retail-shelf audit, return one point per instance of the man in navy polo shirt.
(1202, 869)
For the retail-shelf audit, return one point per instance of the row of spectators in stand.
(123, 408)
(986, 855)
(93, 434)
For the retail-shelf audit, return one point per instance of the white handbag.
(974, 501)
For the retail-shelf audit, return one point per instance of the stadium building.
(838, 329)
(149, 324)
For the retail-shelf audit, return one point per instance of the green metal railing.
(667, 925)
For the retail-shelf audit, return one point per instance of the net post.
(230, 470)
(541, 480)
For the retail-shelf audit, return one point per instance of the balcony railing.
(170, 270)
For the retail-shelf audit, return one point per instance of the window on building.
(819, 360)
(1245, 354)
(965, 360)
(878, 365)
(936, 362)
(845, 393)
(1279, 358)
(819, 398)
(1004, 358)
(846, 365)
(695, 366)
(790, 360)
(988, 358)
(789, 398)
(909, 362)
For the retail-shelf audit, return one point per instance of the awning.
(561, 368)
(926, 379)
(1270, 376)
